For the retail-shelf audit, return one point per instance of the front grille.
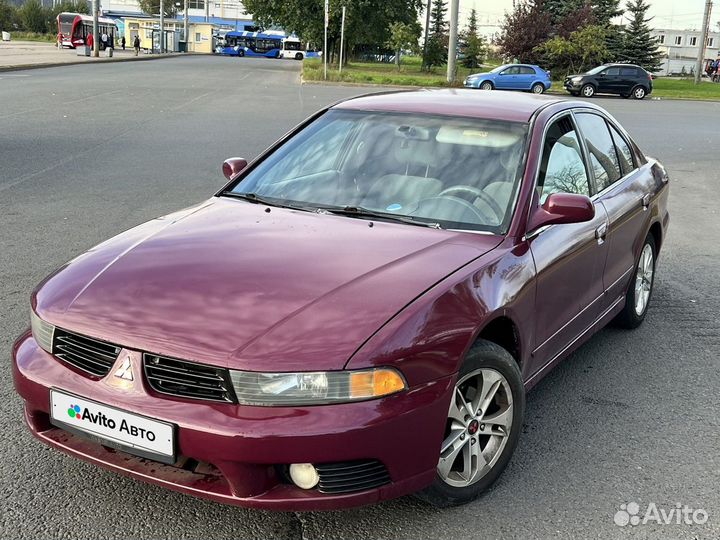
(87, 354)
(351, 476)
(187, 379)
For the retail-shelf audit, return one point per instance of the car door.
(525, 77)
(608, 80)
(569, 258)
(506, 79)
(624, 190)
(628, 78)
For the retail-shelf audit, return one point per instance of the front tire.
(640, 289)
(537, 88)
(588, 91)
(298, 56)
(487, 85)
(483, 426)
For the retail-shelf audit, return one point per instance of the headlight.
(42, 332)
(314, 388)
(576, 79)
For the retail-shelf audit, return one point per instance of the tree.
(437, 45)
(32, 16)
(7, 15)
(472, 44)
(152, 7)
(367, 22)
(404, 36)
(583, 49)
(639, 46)
(523, 30)
(605, 10)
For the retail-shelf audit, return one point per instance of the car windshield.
(456, 173)
(596, 70)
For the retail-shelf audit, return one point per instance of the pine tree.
(639, 46)
(437, 45)
(438, 22)
(605, 10)
(472, 44)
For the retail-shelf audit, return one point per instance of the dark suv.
(624, 79)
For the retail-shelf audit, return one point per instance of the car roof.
(507, 106)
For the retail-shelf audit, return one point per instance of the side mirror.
(562, 208)
(232, 166)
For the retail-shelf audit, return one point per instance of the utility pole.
(162, 27)
(96, 33)
(427, 31)
(187, 29)
(342, 39)
(703, 42)
(452, 46)
(327, 20)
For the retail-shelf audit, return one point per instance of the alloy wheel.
(639, 93)
(538, 89)
(486, 86)
(478, 426)
(588, 90)
(644, 279)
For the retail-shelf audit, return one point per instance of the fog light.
(304, 475)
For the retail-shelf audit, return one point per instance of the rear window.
(629, 72)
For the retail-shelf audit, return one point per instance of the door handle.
(646, 201)
(601, 233)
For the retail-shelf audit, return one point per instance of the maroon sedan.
(358, 313)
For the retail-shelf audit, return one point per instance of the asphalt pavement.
(88, 151)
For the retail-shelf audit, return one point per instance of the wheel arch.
(503, 331)
(656, 231)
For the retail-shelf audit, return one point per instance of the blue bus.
(251, 44)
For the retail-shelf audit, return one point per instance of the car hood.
(240, 285)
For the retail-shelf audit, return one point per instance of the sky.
(684, 15)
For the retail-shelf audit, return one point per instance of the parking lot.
(88, 151)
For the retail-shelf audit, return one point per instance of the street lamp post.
(96, 33)
(452, 45)
(162, 27)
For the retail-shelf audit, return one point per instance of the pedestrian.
(104, 40)
(136, 44)
(122, 43)
(89, 41)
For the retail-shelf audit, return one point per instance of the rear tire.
(487, 85)
(298, 56)
(640, 289)
(639, 92)
(487, 430)
(537, 88)
(588, 90)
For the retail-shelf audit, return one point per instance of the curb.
(21, 67)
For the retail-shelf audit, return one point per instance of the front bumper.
(234, 454)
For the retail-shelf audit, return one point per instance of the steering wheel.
(457, 201)
(478, 193)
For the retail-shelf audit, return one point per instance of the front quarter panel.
(429, 338)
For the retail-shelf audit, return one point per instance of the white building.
(680, 49)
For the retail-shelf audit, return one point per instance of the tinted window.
(603, 157)
(629, 72)
(525, 70)
(612, 72)
(627, 163)
(562, 169)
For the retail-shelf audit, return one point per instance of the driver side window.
(562, 169)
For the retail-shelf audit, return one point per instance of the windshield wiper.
(259, 199)
(359, 211)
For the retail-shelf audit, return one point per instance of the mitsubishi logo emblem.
(125, 370)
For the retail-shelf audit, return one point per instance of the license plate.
(113, 427)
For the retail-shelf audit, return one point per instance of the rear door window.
(625, 155)
(628, 72)
(525, 70)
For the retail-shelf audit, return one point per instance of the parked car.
(511, 77)
(626, 80)
(358, 313)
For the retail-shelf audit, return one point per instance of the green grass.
(33, 36)
(410, 73)
(685, 89)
